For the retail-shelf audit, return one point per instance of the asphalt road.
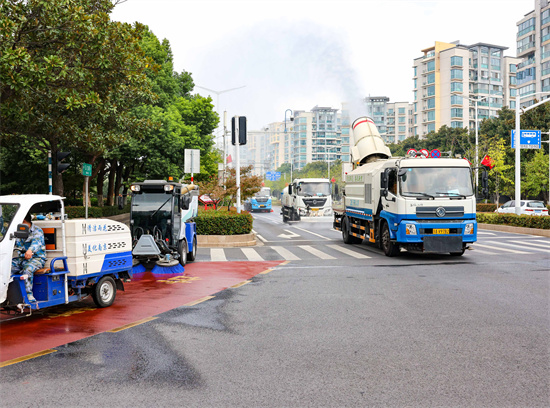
(335, 326)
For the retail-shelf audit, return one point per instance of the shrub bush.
(482, 207)
(528, 221)
(223, 223)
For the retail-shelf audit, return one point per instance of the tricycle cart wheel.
(104, 292)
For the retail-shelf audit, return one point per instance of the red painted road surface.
(145, 296)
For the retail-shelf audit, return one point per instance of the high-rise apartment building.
(311, 136)
(450, 77)
(533, 47)
(393, 120)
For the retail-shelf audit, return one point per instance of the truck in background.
(261, 201)
(417, 204)
(307, 197)
(84, 256)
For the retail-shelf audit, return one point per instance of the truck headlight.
(469, 229)
(411, 229)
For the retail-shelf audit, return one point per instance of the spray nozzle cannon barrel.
(368, 145)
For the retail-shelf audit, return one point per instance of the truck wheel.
(389, 248)
(285, 217)
(182, 251)
(104, 292)
(193, 254)
(346, 236)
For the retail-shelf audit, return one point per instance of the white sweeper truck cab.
(306, 197)
(84, 256)
(417, 204)
(163, 231)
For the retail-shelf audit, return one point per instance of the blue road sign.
(528, 139)
(273, 175)
(435, 153)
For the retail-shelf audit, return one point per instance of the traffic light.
(485, 183)
(61, 167)
(242, 131)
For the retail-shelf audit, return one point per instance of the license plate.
(261, 206)
(441, 231)
(538, 211)
(314, 209)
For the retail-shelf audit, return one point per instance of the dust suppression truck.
(307, 197)
(417, 204)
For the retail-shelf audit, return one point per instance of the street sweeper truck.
(83, 256)
(164, 235)
(417, 204)
(306, 197)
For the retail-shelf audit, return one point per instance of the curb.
(226, 241)
(515, 230)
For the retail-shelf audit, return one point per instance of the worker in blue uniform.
(31, 255)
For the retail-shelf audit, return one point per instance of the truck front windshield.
(436, 182)
(150, 210)
(320, 189)
(263, 193)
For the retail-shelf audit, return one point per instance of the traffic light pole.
(50, 182)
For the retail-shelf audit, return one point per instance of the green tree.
(69, 77)
(535, 181)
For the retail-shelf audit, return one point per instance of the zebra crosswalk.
(331, 252)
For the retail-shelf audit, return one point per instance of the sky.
(299, 54)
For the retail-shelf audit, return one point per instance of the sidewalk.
(515, 230)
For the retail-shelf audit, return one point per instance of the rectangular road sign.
(86, 169)
(528, 139)
(273, 175)
(192, 161)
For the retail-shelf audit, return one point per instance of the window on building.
(430, 116)
(430, 127)
(401, 111)
(456, 74)
(456, 86)
(526, 26)
(513, 68)
(456, 112)
(402, 119)
(414, 70)
(430, 103)
(545, 68)
(512, 104)
(525, 90)
(495, 63)
(513, 92)
(526, 43)
(430, 91)
(545, 17)
(545, 33)
(430, 79)
(513, 80)
(402, 129)
(484, 62)
(456, 61)
(456, 124)
(456, 100)
(430, 66)
(545, 83)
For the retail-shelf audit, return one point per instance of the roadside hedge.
(95, 212)
(223, 223)
(482, 207)
(527, 221)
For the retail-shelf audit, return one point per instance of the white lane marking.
(291, 235)
(315, 252)
(349, 252)
(251, 254)
(501, 249)
(485, 233)
(261, 238)
(217, 255)
(480, 251)
(317, 235)
(285, 253)
(547, 246)
(515, 246)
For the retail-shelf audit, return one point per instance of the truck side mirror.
(22, 231)
(290, 189)
(384, 177)
(184, 202)
(120, 202)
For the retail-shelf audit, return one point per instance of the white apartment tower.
(451, 80)
(533, 47)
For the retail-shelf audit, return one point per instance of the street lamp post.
(218, 93)
(517, 183)
(289, 145)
